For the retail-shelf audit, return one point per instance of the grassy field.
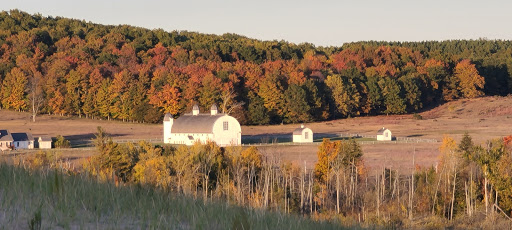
(51, 200)
(483, 118)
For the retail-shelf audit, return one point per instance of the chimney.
(195, 110)
(213, 110)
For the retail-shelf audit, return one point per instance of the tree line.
(72, 67)
(469, 182)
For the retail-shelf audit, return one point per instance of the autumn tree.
(344, 94)
(168, 98)
(471, 83)
(13, 90)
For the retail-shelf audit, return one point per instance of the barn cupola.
(214, 110)
(195, 110)
(302, 126)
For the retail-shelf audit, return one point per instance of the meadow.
(52, 199)
(482, 118)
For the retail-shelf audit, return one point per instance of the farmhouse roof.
(381, 131)
(5, 136)
(201, 123)
(22, 137)
(45, 139)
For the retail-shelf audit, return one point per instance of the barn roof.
(298, 131)
(45, 138)
(5, 136)
(201, 123)
(22, 137)
(381, 131)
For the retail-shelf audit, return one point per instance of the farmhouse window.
(306, 135)
(225, 125)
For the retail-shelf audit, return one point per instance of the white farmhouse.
(384, 135)
(191, 128)
(302, 135)
(23, 140)
(5, 140)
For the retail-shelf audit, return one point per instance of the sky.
(321, 22)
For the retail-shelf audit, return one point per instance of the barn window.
(225, 125)
(306, 135)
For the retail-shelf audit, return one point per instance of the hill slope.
(72, 202)
(71, 67)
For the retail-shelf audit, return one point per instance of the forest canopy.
(66, 66)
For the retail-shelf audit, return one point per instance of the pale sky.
(321, 22)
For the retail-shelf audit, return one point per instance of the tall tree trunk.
(453, 193)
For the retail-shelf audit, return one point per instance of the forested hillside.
(72, 67)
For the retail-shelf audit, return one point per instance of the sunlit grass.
(80, 202)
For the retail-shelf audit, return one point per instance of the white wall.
(23, 144)
(232, 136)
(45, 145)
(4, 145)
(167, 130)
(182, 138)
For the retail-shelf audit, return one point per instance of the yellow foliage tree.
(470, 82)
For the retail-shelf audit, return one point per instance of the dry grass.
(484, 119)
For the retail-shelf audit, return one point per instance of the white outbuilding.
(188, 129)
(384, 135)
(302, 135)
(45, 142)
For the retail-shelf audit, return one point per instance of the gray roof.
(5, 136)
(201, 123)
(167, 117)
(45, 138)
(381, 131)
(298, 131)
(22, 137)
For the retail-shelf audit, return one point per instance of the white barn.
(302, 135)
(23, 140)
(188, 129)
(384, 135)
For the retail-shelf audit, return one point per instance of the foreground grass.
(49, 200)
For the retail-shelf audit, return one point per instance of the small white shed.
(44, 142)
(384, 135)
(302, 135)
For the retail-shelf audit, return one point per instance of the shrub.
(61, 142)
(417, 116)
